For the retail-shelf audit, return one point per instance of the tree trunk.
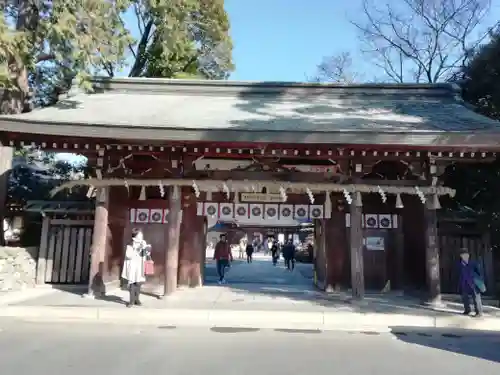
(141, 59)
(16, 97)
(12, 101)
(5, 167)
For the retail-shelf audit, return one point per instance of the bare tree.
(423, 40)
(336, 68)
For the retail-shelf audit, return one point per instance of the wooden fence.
(64, 256)
(480, 249)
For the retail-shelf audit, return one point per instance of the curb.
(326, 321)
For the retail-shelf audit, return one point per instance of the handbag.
(479, 283)
(478, 280)
(149, 267)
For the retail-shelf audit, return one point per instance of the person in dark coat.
(273, 247)
(249, 250)
(470, 276)
(289, 255)
(222, 256)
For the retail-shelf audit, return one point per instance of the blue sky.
(284, 40)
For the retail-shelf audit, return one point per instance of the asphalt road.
(82, 349)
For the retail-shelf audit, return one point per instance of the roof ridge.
(167, 85)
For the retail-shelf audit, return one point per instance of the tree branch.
(432, 36)
(140, 59)
(45, 57)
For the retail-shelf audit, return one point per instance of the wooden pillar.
(400, 254)
(96, 286)
(356, 244)
(172, 249)
(320, 257)
(191, 247)
(432, 253)
(336, 252)
(186, 238)
(198, 257)
(203, 240)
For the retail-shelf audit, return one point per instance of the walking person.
(133, 267)
(289, 255)
(269, 246)
(274, 252)
(471, 284)
(249, 250)
(222, 257)
(242, 247)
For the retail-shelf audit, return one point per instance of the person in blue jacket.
(470, 283)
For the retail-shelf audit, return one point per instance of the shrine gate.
(362, 161)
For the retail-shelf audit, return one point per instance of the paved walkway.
(257, 295)
(262, 271)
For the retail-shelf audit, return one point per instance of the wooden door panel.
(375, 261)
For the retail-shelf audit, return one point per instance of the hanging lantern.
(436, 205)
(399, 201)
(142, 195)
(328, 203)
(175, 193)
(359, 201)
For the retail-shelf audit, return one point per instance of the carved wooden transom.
(391, 170)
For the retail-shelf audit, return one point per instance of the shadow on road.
(484, 344)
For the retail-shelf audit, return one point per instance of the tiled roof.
(161, 110)
(62, 207)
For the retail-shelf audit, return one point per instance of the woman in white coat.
(133, 267)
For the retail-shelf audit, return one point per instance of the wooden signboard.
(261, 198)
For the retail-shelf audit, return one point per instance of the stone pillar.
(96, 286)
(172, 249)
(356, 248)
(432, 253)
